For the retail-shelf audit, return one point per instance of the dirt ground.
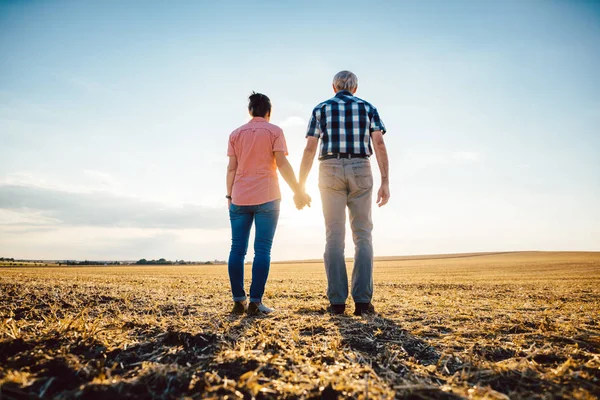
(493, 326)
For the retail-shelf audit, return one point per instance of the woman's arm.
(287, 171)
(288, 174)
(231, 170)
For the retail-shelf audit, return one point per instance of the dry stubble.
(523, 325)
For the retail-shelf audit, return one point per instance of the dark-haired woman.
(256, 150)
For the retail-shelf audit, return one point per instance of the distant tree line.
(162, 261)
(143, 261)
(87, 262)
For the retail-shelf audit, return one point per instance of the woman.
(255, 151)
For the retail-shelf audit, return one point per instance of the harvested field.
(518, 325)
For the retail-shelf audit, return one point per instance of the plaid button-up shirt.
(344, 124)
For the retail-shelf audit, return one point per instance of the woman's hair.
(259, 105)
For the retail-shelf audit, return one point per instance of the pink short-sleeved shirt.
(253, 144)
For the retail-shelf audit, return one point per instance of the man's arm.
(231, 170)
(308, 158)
(383, 195)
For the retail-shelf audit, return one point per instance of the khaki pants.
(347, 183)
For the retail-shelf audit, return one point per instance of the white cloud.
(34, 205)
(292, 106)
(103, 179)
(293, 121)
(26, 218)
(24, 178)
(94, 181)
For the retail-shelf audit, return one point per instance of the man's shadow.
(402, 360)
(415, 369)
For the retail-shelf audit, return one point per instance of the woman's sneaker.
(239, 307)
(257, 308)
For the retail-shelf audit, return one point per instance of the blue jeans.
(265, 216)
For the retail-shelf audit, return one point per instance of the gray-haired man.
(347, 126)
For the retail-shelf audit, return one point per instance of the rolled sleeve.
(279, 143)
(230, 149)
(314, 127)
(376, 124)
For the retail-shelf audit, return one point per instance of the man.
(349, 129)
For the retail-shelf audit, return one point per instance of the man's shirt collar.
(343, 93)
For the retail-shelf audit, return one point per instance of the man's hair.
(259, 105)
(345, 80)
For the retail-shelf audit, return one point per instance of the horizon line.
(317, 260)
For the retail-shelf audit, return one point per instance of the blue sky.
(114, 118)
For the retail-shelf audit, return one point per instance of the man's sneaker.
(239, 307)
(337, 309)
(257, 308)
(364, 308)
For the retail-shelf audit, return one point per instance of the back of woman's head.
(259, 105)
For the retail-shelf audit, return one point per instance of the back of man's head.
(345, 80)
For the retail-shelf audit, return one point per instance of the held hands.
(301, 200)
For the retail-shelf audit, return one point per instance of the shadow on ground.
(159, 366)
(415, 369)
(401, 360)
